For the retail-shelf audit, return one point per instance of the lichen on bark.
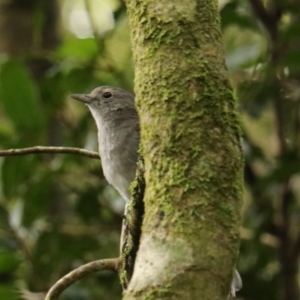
(191, 146)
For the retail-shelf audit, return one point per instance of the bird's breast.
(118, 167)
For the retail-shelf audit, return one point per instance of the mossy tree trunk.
(191, 146)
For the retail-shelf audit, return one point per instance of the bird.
(118, 127)
(118, 124)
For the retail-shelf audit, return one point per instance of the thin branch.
(77, 274)
(266, 17)
(296, 249)
(93, 25)
(43, 149)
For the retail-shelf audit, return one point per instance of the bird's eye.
(107, 95)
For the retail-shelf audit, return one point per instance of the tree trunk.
(191, 146)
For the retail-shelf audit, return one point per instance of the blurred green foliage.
(57, 212)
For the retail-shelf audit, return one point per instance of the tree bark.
(191, 145)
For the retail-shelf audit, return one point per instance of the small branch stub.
(79, 273)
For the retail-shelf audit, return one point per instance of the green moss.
(190, 137)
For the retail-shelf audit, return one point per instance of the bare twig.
(266, 17)
(296, 251)
(75, 275)
(43, 149)
(93, 25)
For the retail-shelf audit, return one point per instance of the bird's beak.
(82, 97)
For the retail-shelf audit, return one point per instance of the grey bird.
(118, 134)
(118, 127)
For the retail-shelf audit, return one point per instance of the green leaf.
(8, 262)
(81, 79)
(19, 95)
(3, 218)
(91, 211)
(234, 14)
(15, 173)
(79, 48)
(8, 292)
(37, 198)
(242, 56)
